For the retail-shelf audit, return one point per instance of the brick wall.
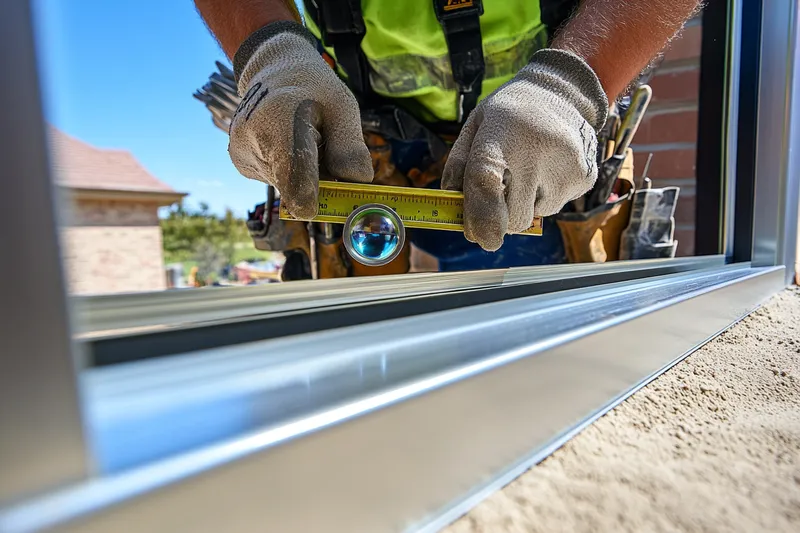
(669, 129)
(113, 213)
(113, 246)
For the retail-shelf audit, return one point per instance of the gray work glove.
(294, 107)
(528, 148)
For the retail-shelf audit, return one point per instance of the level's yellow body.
(418, 208)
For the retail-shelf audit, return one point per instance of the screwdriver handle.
(639, 102)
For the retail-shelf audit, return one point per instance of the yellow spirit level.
(417, 208)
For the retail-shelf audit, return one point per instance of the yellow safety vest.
(408, 56)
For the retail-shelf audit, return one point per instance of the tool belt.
(635, 223)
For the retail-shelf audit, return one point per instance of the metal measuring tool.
(375, 234)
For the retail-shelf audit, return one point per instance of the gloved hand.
(528, 148)
(294, 106)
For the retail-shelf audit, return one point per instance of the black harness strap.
(342, 27)
(341, 24)
(460, 20)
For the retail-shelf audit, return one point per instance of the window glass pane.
(139, 98)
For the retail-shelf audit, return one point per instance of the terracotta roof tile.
(80, 165)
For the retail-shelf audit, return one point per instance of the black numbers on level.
(355, 207)
(323, 206)
(435, 212)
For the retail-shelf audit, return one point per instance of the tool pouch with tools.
(614, 220)
(594, 236)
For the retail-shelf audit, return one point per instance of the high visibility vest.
(408, 55)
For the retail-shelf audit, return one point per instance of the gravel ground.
(712, 445)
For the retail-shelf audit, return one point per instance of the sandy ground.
(712, 445)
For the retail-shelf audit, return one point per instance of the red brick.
(684, 210)
(676, 86)
(686, 46)
(670, 164)
(685, 238)
(672, 127)
(112, 259)
(687, 185)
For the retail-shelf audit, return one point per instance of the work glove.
(295, 115)
(528, 148)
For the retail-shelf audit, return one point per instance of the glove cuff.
(570, 77)
(256, 39)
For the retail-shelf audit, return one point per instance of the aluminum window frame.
(413, 452)
(58, 483)
(776, 181)
(39, 397)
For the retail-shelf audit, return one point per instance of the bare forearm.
(619, 39)
(232, 22)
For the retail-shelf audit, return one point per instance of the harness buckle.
(452, 9)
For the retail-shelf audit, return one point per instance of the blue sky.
(120, 74)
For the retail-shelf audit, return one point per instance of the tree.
(187, 233)
(210, 260)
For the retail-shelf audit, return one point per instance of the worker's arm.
(295, 114)
(530, 147)
(618, 39)
(232, 22)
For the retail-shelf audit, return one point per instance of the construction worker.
(499, 99)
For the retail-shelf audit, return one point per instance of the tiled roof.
(82, 166)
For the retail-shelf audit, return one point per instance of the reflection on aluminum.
(374, 235)
(404, 400)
